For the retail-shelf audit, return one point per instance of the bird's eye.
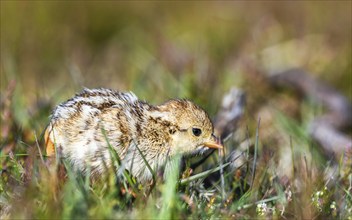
(196, 131)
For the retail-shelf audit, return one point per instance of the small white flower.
(262, 209)
(333, 205)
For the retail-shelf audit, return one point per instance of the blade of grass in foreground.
(117, 159)
(221, 159)
(246, 206)
(170, 202)
(146, 163)
(75, 195)
(203, 174)
(255, 152)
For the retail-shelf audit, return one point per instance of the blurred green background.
(161, 50)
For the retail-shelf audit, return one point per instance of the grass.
(49, 51)
(46, 194)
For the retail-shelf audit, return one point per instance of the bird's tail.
(49, 145)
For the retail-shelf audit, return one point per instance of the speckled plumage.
(81, 128)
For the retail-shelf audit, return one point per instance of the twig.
(230, 112)
(323, 129)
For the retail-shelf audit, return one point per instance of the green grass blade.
(203, 174)
(170, 201)
(255, 152)
(117, 159)
(146, 163)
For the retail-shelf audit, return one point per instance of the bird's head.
(190, 129)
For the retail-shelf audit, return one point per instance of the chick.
(82, 128)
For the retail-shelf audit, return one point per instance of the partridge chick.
(82, 128)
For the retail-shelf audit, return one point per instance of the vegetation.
(162, 50)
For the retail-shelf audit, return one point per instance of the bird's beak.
(213, 143)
